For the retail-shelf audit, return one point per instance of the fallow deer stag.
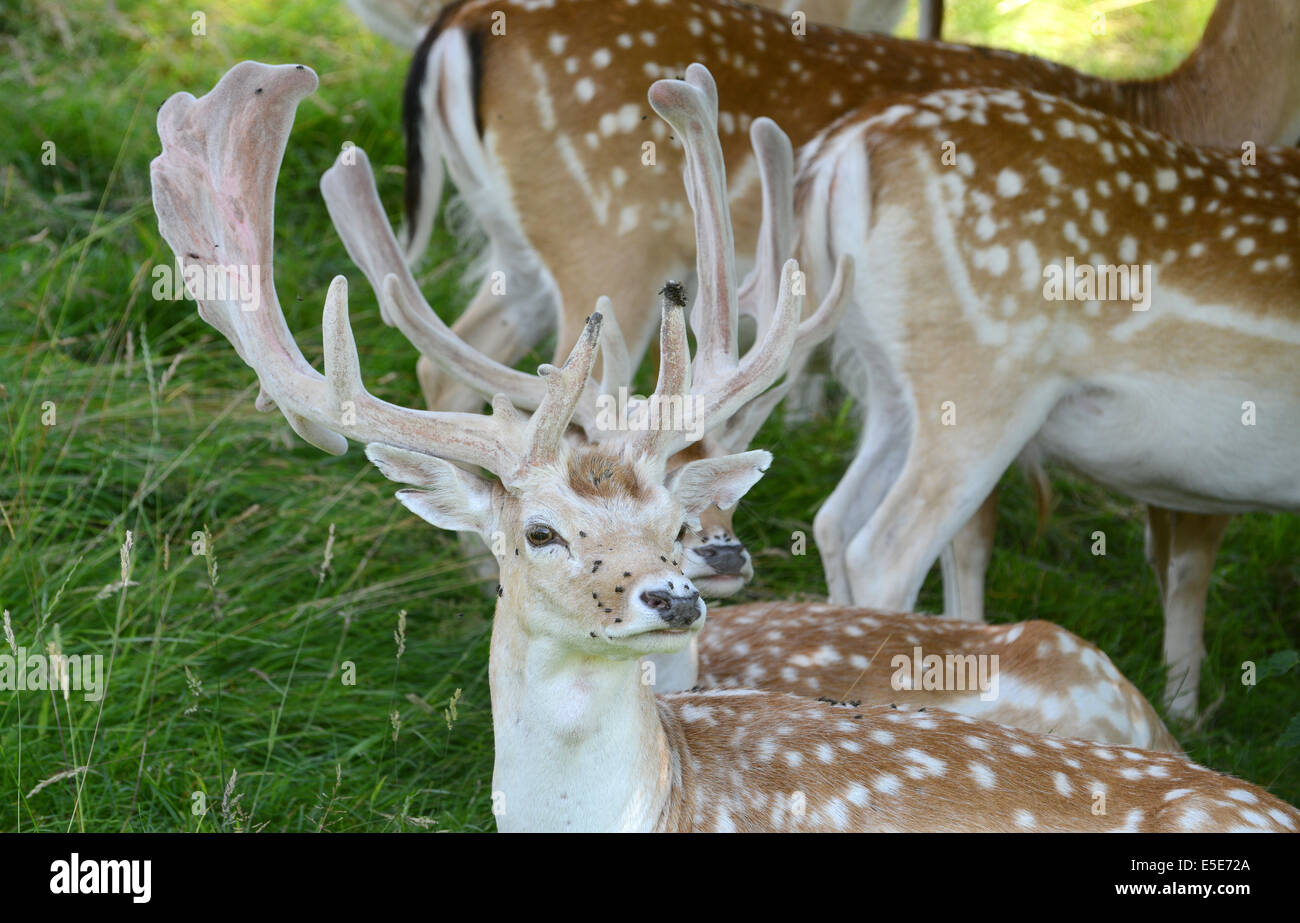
(581, 743)
(989, 284)
(1046, 679)
(534, 166)
(713, 557)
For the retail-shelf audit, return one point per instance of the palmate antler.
(214, 192)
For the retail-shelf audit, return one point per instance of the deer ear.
(453, 498)
(719, 482)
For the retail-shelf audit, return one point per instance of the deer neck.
(677, 672)
(1224, 94)
(579, 743)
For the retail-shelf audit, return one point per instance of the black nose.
(726, 560)
(677, 611)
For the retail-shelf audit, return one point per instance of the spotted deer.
(1079, 289)
(813, 650)
(533, 166)
(1039, 676)
(581, 742)
(403, 22)
(543, 130)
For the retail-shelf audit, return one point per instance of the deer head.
(588, 536)
(589, 521)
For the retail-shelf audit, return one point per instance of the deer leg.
(880, 458)
(1156, 546)
(864, 484)
(1193, 543)
(965, 563)
(949, 472)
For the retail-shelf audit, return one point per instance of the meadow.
(227, 704)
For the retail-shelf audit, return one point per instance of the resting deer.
(822, 650)
(817, 651)
(581, 743)
(536, 167)
(1178, 389)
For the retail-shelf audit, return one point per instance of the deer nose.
(678, 610)
(726, 560)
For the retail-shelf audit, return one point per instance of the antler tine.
(690, 107)
(698, 76)
(763, 363)
(720, 399)
(489, 442)
(214, 192)
(775, 156)
(348, 188)
(738, 432)
(740, 429)
(658, 441)
(815, 329)
(564, 388)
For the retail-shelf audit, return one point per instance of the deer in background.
(534, 166)
(403, 22)
(567, 153)
(1179, 390)
(581, 743)
(811, 650)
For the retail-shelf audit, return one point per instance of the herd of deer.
(927, 191)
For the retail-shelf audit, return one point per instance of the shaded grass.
(233, 664)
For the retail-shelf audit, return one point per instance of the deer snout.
(679, 606)
(727, 560)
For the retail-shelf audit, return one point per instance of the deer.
(777, 647)
(568, 152)
(1175, 387)
(532, 166)
(403, 22)
(580, 742)
(714, 557)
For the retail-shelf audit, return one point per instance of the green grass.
(231, 664)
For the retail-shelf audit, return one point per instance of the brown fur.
(837, 71)
(599, 474)
(748, 762)
(845, 654)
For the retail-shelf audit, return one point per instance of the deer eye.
(539, 535)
